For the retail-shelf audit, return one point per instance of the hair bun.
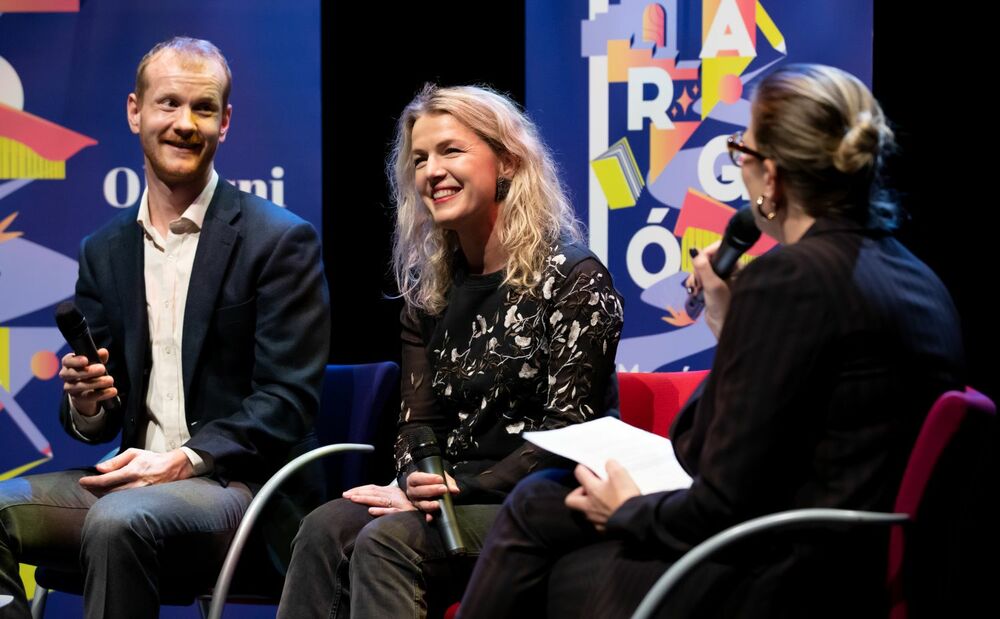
(862, 143)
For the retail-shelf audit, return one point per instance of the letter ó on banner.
(653, 234)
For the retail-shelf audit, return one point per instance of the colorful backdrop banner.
(637, 99)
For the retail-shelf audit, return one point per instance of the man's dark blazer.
(832, 353)
(256, 332)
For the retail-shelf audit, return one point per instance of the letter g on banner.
(728, 184)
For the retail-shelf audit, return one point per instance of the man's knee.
(117, 518)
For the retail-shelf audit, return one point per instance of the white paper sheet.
(647, 457)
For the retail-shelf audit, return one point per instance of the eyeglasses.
(737, 149)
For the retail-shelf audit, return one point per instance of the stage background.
(928, 71)
(666, 83)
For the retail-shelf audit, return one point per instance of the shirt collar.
(193, 214)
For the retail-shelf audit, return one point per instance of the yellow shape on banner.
(770, 30)
(618, 173)
(11, 474)
(699, 238)
(5, 358)
(612, 178)
(18, 161)
(28, 578)
(713, 70)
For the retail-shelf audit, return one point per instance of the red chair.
(950, 414)
(651, 400)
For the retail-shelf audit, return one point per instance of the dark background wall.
(446, 42)
(930, 74)
(924, 74)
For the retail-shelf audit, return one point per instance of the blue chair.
(357, 402)
(360, 405)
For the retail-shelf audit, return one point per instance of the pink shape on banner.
(704, 212)
(33, 355)
(685, 100)
(653, 25)
(46, 138)
(44, 364)
(39, 6)
(748, 12)
(730, 88)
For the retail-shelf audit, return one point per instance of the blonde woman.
(510, 325)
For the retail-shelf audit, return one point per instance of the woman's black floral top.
(496, 363)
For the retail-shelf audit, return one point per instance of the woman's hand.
(381, 500)
(716, 290)
(599, 498)
(424, 488)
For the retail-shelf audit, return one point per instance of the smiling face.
(455, 173)
(181, 118)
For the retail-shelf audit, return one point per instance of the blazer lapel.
(215, 245)
(129, 273)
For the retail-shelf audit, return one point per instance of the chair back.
(358, 404)
(947, 460)
(651, 400)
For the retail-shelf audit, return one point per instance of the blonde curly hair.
(534, 214)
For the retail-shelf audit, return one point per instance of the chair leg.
(204, 604)
(38, 602)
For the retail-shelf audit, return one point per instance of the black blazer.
(256, 331)
(831, 355)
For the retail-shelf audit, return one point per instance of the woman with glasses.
(831, 350)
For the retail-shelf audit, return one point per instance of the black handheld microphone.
(426, 454)
(740, 235)
(74, 328)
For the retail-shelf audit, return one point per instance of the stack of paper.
(648, 458)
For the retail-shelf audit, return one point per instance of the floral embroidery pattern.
(526, 362)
